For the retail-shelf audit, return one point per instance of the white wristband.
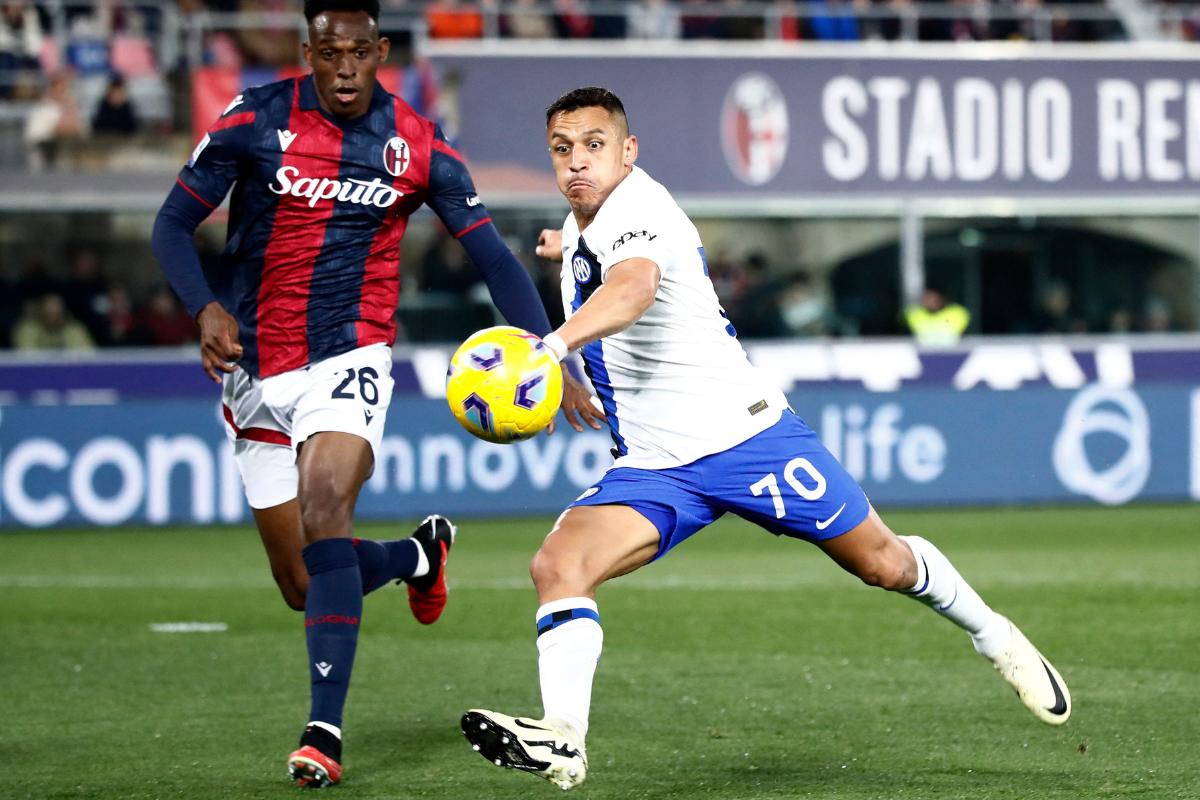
(556, 345)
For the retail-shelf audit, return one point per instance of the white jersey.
(676, 385)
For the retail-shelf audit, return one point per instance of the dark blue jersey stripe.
(586, 268)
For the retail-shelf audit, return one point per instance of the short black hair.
(589, 97)
(313, 8)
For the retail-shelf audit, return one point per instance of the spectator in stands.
(54, 120)
(1054, 315)
(47, 325)
(936, 319)
(86, 294)
(12, 299)
(802, 311)
(269, 46)
(524, 20)
(20, 46)
(453, 19)
(834, 21)
(446, 270)
(652, 19)
(571, 19)
(163, 321)
(120, 328)
(115, 113)
(1158, 318)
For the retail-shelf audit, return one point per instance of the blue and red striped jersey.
(311, 265)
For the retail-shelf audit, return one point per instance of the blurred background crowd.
(93, 89)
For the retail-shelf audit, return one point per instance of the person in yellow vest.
(936, 319)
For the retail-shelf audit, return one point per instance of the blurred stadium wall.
(1037, 164)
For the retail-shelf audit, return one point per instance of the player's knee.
(551, 568)
(326, 506)
(885, 571)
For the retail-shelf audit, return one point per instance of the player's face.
(591, 152)
(344, 49)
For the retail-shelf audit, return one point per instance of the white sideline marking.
(189, 627)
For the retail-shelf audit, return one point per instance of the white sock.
(422, 560)
(334, 729)
(940, 587)
(567, 658)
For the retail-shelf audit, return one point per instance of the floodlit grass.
(741, 666)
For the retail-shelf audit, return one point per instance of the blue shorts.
(782, 479)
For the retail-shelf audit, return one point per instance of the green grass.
(742, 666)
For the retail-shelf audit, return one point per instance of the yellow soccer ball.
(504, 384)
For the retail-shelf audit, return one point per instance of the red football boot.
(315, 763)
(427, 594)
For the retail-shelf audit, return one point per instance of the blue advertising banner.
(168, 461)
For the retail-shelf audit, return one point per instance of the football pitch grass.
(741, 666)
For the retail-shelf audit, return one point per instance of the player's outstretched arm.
(626, 294)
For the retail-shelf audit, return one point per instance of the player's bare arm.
(219, 345)
(627, 293)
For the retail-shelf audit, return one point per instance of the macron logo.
(285, 139)
(324, 668)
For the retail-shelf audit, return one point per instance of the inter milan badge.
(396, 156)
(581, 267)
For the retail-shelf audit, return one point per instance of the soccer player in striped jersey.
(698, 432)
(298, 319)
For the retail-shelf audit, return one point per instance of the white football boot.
(549, 748)
(1034, 679)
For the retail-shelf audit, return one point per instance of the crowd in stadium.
(74, 75)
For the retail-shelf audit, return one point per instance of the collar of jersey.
(309, 101)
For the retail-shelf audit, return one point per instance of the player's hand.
(549, 244)
(219, 345)
(578, 405)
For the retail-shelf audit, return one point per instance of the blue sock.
(383, 562)
(331, 616)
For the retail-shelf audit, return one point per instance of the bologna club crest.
(754, 128)
(396, 156)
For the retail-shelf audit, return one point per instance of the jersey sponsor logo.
(754, 128)
(364, 193)
(199, 149)
(588, 493)
(286, 138)
(234, 103)
(629, 236)
(396, 156)
(581, 267)
(473, 201)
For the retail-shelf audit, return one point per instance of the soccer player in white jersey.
(698, 432)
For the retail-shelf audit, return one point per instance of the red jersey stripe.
(472, 227)
(265, 435)
(442, 147)
(297, 236)
(188, 189)
(232, 121)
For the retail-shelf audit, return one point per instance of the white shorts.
(267, 420)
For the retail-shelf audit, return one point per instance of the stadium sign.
(168, 461)
(819, 122)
